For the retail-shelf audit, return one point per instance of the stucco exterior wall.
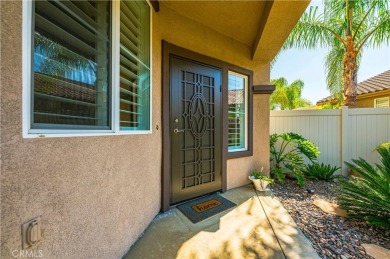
(96, 195)
(365, 103)
(238, 169)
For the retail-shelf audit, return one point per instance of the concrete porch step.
(259, 227)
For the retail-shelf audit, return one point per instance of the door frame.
(168, 50)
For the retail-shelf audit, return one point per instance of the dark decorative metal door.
(195, 128)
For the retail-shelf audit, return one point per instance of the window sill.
(239, 154)
(86, 134)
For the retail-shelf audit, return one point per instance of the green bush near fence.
(320, 171)
(289, 155)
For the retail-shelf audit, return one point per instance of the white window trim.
(376, 99)
(27, 31)
(26, 66)
(245, 148)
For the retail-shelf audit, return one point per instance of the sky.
(308, 65)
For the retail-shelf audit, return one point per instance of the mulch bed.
(332, 236)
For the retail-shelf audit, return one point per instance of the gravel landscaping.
(332, 236)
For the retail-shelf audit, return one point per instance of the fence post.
(345, 131)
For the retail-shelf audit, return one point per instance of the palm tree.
(59, 60)
(287, 96)
(346, 27)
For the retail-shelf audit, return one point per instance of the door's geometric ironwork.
(198, 146)
(195, 112)
(198, 112)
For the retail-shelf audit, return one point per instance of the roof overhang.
(278, 19)
(262, 26)
(382, 93)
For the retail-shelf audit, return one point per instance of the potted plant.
(260, 181)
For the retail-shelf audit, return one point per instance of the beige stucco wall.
(365, 103)
(238, 169)
(96, 195)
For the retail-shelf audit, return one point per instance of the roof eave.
(278, 19)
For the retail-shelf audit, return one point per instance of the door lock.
(177, 131)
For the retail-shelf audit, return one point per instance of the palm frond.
(311, 31)
(378, 32)
(302, 102)
(287, 96)
(297, 87)
(367, 197)
(366, 21)
(334, 75)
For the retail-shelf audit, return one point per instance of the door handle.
(177, 131)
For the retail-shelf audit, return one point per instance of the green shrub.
(320, 171)
(290, 155)
(300, 179)
(368, 196)
(279, 175)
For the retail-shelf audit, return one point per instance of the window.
(238, 111)
(381, 102)
(70, 64)
(87, 75)
(134, 65)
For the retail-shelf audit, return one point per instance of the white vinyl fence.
(341, 135)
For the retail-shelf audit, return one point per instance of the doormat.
(205, 207)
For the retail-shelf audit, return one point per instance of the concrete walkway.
(259, 227)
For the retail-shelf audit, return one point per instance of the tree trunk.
(350, 74)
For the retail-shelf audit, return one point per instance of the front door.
(195, 126)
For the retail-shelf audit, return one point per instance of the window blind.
(71, 64)
(236, 112)
(236, 118)
(134, 65)
(382, 102)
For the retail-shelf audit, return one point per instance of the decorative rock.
(330, 208)
(331, 236)
(376, 251)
